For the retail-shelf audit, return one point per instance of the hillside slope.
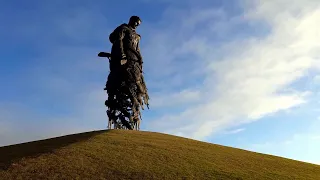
(124, 154)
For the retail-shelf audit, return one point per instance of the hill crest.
(124, 154)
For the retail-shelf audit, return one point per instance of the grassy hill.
(124, 154)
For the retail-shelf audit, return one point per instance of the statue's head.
(134, 22)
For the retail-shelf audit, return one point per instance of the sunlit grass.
(124, 154)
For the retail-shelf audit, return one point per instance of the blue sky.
(238, 73)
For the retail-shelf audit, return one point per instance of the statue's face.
(135, 24)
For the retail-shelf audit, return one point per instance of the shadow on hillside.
(11, 153)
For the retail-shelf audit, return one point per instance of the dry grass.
(123, 154)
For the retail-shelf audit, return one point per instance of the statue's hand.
(123, 61)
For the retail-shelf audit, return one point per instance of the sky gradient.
(238, 73)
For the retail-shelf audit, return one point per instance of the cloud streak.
(247, 78)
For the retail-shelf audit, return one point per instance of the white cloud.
(246, 79)
(235, 131)
(175, 99)
(316, 79)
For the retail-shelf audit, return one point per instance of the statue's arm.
(121, 36)
(118, 36)
(138, 49)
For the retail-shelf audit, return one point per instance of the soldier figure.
(125, 85)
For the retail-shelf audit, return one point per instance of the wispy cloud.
(175, 99)
(244, 78)
(316, 79)
(235, 131)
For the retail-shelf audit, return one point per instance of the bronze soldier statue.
(127, 91)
